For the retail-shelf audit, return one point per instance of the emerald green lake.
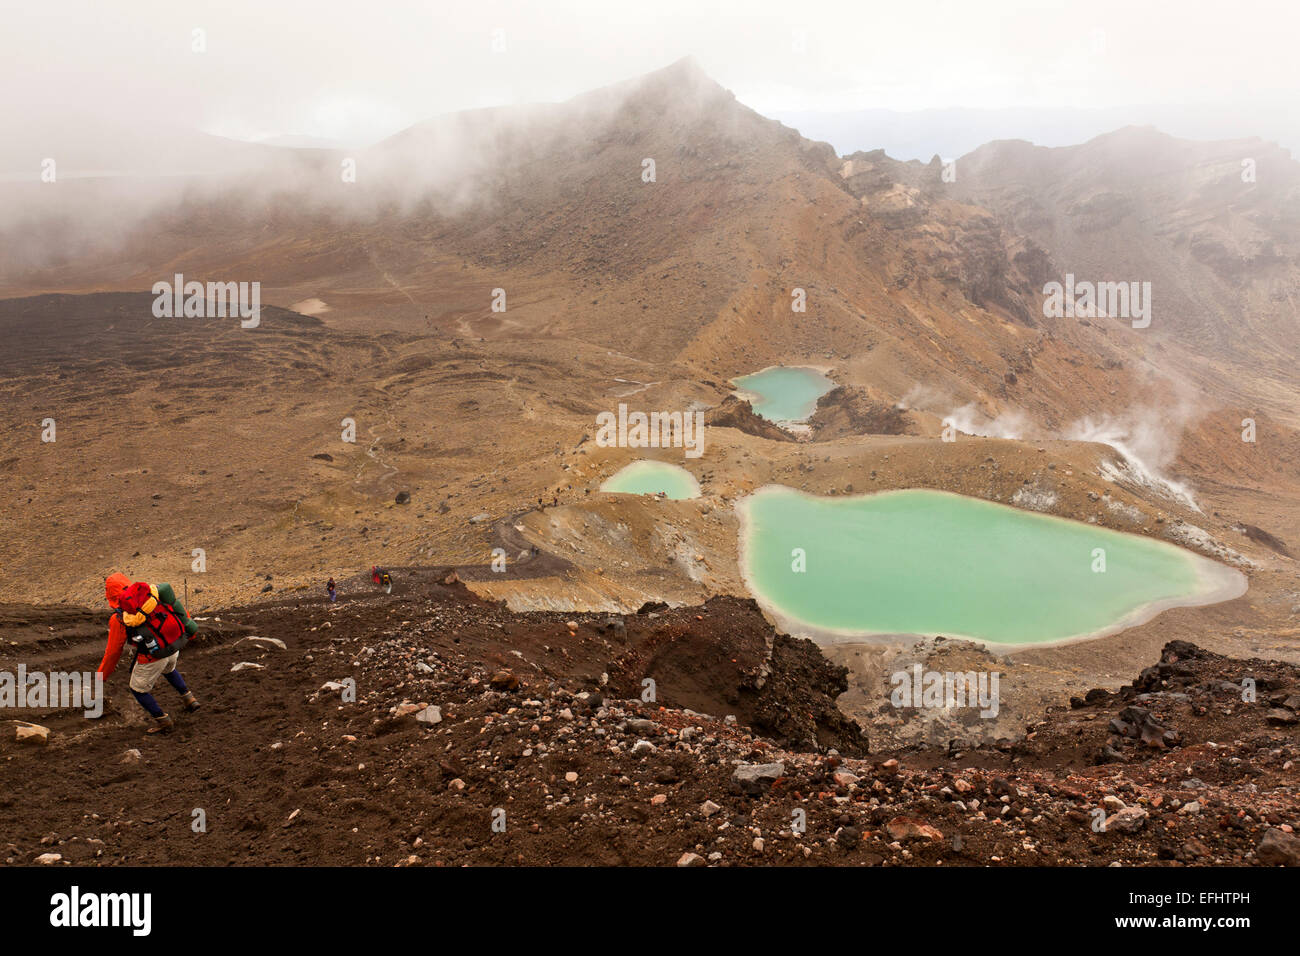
(651, 478)
(929, 563)
(784, 393)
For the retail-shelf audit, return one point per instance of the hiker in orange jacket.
(151, 618)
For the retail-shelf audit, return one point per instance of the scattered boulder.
(274, 641)
(756, 779)
(910, 828)
(33, 734)
(1279, 848)
(1128, 820)
(1140, 724)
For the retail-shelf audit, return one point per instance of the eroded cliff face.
(1213, 226)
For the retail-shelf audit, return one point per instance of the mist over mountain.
(740, 207)
(949, 133)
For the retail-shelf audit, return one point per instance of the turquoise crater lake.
(784, 394)
(920, 562)
(648, 477)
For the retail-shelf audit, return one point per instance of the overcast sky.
(355, 71)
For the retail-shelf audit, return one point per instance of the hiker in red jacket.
(154, 620)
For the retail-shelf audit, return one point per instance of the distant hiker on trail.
(330, 587)
(382, 578)
(154, 620)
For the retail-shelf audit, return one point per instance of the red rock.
(910, 828)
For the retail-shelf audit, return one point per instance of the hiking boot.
(161, 725)
(191, 702)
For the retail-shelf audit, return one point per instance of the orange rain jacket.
(113, 587)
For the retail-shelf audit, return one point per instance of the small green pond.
(648, 477)
(784, 393)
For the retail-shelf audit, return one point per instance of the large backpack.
(155, 628)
